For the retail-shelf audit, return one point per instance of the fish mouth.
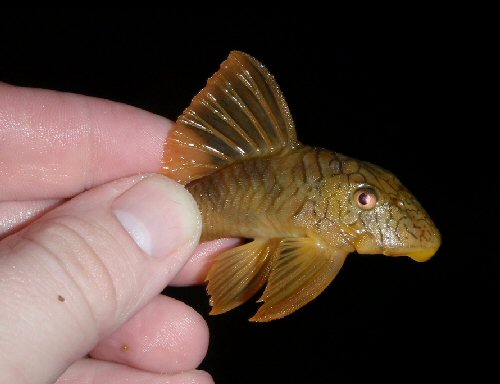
(417, 254)
(366, 244)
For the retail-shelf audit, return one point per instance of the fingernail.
(159, 214)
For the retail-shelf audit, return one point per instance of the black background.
(407, 96)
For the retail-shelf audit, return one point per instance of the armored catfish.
(303, 209)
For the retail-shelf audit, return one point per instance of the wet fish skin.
(308, 192)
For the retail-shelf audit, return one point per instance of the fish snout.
(424, 238)
(422, 254)
(421, 250)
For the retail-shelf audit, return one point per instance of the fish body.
(266, 197)
(304, 209)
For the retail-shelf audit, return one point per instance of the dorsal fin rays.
(251, 83)
(224, 114)
(240, 114)
(244, 108)
(205, 126)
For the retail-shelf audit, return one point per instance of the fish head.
(388, 218)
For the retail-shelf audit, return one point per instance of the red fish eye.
(365, 198)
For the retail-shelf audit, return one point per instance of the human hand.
(80, 278)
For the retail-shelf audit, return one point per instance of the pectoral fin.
(301, 271)
(239, 273)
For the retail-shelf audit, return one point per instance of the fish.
(301, 209)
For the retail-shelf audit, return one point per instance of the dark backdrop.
(395, 95)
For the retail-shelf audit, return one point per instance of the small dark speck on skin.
(61, 298)
(124, 348)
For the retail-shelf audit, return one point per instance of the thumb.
(74, 276)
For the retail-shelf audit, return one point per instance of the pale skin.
(79, 298)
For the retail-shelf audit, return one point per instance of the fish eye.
(365, 198)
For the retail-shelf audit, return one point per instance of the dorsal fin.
(240, 114)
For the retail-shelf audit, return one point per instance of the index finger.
(55, 145)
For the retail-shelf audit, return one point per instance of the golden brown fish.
(304, 209)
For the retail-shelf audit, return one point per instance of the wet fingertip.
(159, 215)
(192, 377)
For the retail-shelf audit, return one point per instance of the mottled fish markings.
(303, 209)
